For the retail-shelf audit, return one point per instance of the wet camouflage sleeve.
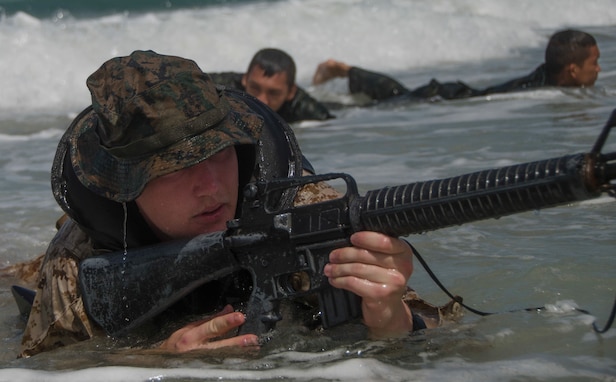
(58, 317)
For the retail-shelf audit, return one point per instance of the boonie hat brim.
(151, 115)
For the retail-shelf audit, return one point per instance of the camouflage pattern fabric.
(58, 317)
(148, 106)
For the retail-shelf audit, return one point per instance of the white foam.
(46, 61)
(448, 369)
(39, 135)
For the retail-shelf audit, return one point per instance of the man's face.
(272, 91)
(587, 74)
(193, 201)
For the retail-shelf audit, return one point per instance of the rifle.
(122, 290)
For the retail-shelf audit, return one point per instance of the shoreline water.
(559, 257)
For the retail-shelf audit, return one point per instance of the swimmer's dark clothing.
(380, 87)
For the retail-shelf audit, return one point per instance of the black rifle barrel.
(435, 204)
(123, 289)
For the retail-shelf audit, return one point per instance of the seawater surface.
(559, 258)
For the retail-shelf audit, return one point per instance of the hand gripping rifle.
(121, 290)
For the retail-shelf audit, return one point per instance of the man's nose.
(263, 98)
(202, 179)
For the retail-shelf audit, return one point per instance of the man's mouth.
(210, 213)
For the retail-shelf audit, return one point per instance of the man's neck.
(561, 79)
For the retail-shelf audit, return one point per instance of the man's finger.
(220, 325)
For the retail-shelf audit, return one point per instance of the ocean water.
(561, 258)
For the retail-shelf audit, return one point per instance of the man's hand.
(202, 334)
(377, 269)
(328, 70)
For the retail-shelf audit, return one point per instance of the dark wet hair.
(566, 47)
(274, 61)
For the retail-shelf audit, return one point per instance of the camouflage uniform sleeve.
(432, 314)
(58, 315)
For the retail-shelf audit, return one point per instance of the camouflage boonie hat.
(151, 115)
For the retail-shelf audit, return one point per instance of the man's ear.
(245, 80)
(572, 69)
(292, 92)
(568, 75)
